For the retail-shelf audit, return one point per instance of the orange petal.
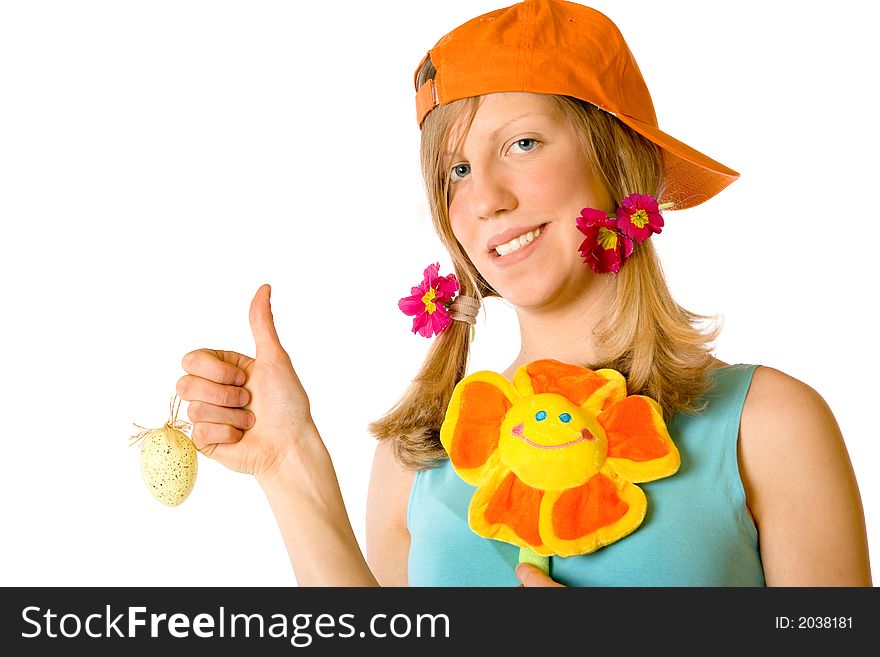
(480, 411)
(518, 506)
(581, 511)
(571, 381)
(632, 432)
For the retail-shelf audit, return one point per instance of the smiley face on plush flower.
(556, 455)
(549, 443)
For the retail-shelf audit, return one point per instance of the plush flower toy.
(555, 456)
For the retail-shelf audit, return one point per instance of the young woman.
(529, 115)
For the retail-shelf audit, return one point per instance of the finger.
(531, 575)
(202, 412)
(263, 326)
(194, 388)
(215, 366)
(205, 434)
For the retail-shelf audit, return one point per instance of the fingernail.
(250, 420)
(239, 379)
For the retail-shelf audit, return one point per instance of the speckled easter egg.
(169, 465)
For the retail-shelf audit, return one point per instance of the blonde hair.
(659, 347)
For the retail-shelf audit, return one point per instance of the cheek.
(464, 231)
(570, 236)
(568, 193)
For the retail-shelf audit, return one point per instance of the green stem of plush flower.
(527, 555)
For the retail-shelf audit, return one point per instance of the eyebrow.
(507, 124)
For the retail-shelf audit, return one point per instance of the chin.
(524, 296)
(547, 290)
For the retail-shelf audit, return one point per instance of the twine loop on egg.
(172, 423)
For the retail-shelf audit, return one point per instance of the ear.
(472, 425)
(589, 389)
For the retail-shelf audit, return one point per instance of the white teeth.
(517, 243)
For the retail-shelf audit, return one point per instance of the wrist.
(303, 460)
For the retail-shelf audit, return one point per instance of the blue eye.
(565, 417)
(541, 415)
(459, 171)
(524, 145)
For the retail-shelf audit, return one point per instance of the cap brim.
(691, 176)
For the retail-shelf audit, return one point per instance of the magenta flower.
(605, 249)
(429, 302)
(638, 217)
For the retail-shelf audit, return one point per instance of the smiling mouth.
(534, 444)
(519, 242)
(525, 240)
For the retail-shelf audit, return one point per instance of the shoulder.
(387, 501)
(785, 426)
(385, 462)
(390, 484)
(799, 483)
(770, 382)
(777, 401)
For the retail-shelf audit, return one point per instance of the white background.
(160, 160)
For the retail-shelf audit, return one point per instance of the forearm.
(304, 495)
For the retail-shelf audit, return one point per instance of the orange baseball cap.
(563, 48)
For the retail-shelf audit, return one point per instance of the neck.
(563, 330)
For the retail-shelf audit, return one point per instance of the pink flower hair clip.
(611, 238)
(435, 302)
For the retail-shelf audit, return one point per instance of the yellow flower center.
(607, 238)
(639, 219)
(428, 300)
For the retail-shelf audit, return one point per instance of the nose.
(490, 194)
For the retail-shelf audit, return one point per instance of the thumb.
(530, 575)
(263, 326)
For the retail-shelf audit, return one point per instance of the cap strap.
(426, 100)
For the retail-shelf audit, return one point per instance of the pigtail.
(413, 424)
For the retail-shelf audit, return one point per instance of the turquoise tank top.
(697, 531)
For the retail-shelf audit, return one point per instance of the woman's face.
(521, 171)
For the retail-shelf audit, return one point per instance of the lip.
(507, 235)
(521, 253)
